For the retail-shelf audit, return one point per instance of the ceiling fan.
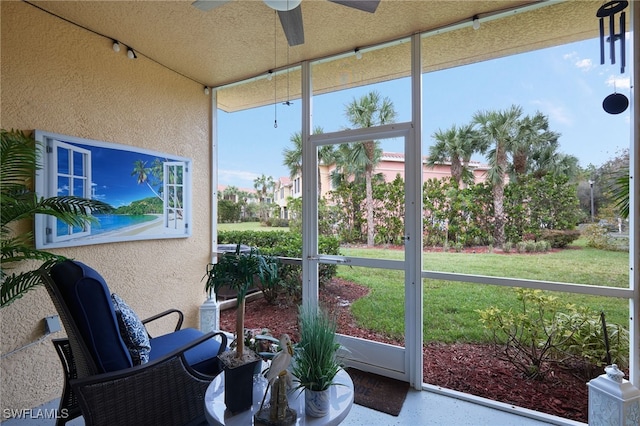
(290, 13)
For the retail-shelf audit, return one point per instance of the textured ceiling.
(243, 39)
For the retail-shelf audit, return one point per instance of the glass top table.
(217, 414)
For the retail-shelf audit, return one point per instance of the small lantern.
(210, 315)
(613, 401)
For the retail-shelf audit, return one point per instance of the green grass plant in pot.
(238, 271)
(316, 360)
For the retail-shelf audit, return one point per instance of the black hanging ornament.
(610, 9)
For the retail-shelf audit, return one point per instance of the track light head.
(131, 54)
(476, 22)
(358, 53)
(206, 90)
(116, 46)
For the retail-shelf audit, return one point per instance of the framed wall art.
(149, 191)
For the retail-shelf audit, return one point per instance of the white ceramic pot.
(316, 403)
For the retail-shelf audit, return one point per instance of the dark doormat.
(378, 392)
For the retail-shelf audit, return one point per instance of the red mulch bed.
(469, 368)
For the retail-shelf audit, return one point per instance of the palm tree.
(498, 131)
(293, 156)
(264, 185)
(368, 111)
(457, 145)
(534, 139)
(18, 163)
(620, 192)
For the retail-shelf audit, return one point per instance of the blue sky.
(111, 175)
(566, 83)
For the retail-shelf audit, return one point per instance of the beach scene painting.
(150, 192)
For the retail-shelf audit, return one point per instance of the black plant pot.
(238, 387)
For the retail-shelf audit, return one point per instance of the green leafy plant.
(239, 271)
(19, 157)
(316, 360)
(532, 336)
(587, 345)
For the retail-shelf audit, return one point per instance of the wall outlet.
(51, 324)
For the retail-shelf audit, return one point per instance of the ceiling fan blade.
(365, 5)
(207, 5)
(291, 21)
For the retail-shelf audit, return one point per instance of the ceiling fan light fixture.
(282, 5)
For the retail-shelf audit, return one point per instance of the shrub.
(507, 247)
(530, 246)
(542, 246)
(560, 238)
(532, 336)
(285, 244)
(587, 345)
(521, 246)
(598, 237)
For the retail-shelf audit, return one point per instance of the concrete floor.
(430, 407)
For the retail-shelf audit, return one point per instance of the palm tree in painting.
(368, 111)
(143, 174)
(456, 145)
(499, 132)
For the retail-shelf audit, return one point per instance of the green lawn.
(450, 307)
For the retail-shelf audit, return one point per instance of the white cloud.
(235, 176)
(618, 82)
(556, 113)
(582, 64)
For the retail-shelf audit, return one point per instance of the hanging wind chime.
(275, 65)
(615, 103)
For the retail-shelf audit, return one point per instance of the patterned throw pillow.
(132, 331)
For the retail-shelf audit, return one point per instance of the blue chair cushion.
(202, 357)
(132, 331)
(89, 301)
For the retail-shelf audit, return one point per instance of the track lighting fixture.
(206, 90)
(116, 46)
(358, 53)
(476, 22)
(270, 75)
(131, 54)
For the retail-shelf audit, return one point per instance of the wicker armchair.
(167, 390)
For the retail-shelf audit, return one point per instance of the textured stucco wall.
(64, 79)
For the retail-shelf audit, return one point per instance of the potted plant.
(19, 155)
(238, 271)
(316, 361)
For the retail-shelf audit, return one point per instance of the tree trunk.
(498, 197)
(498, 214)
(369, 197)
(456, 171)
(240, 329)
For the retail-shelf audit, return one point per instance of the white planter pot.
(316, 403)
